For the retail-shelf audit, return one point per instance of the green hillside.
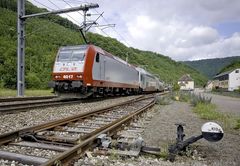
(210, 67)
(232, 66)
(45, 35)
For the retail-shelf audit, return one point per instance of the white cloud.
(181, 29)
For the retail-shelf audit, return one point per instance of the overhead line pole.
(21, 17)
(21, 49)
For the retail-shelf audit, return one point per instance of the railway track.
(58, 142)
(13, 99)
(13, 105)
(18, 106)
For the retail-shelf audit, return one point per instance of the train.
(87, 70)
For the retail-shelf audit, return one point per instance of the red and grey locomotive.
(83, 70)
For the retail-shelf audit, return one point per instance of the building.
(186, 82)
(229, 80)
(209, 86)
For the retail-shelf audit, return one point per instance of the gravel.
(12, 122)
(29, 151)
(11, 163)
(160, 131)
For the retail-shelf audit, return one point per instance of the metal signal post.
(21, 37)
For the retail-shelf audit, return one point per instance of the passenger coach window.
(97, 57)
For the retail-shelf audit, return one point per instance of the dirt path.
(161, 131)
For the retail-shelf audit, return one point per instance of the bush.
(32, 81)
(185, 96)
(176, 87)
(238, 90)
(163, 100)
(196, 99)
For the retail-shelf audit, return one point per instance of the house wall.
(234, 80)
(209, 86)
(189, 85)
(223, 84)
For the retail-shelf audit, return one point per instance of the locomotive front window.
(71, 55)
(64, 55)
(78, 56)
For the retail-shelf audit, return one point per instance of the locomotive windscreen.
(71, 54)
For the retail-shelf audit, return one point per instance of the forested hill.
(211, 67)
(232, 66)
(45, 35)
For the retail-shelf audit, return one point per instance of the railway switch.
(210, 131)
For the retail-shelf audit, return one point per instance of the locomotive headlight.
(57, 76)
(79, 76)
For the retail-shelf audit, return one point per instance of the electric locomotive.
(84, 70)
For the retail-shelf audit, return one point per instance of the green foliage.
(210, 67)
(231, 66)
(32, 81)
(237, 126)
(41, 48)
(176, 87)
(46, 34)
(207, 111)
(184, 96)
(238, 90)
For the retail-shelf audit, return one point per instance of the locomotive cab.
(68, 69)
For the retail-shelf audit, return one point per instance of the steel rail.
(77, 150)
(8, 137)
(23, 106)
(83, 142)
(18, 107)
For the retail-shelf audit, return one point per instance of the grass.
(237, 126)
(28, 92)
(207, 111)
(182, 96)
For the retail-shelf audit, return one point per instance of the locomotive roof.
(98, 49)
(74, 47)
(112, 56)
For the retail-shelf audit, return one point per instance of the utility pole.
(21, 49)
(21, 37)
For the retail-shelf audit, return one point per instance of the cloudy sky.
(180, 29)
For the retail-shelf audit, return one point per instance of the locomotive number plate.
(67, 76)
